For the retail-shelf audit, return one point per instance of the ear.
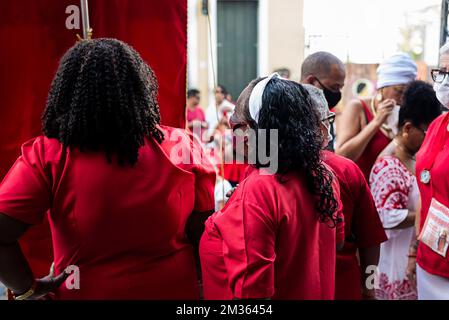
(310, 79)
(407, 127)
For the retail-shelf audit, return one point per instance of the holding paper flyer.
(435, 232)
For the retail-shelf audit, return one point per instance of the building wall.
(286, 36)
(281, 42)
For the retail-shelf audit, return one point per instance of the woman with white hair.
(363, 132)
(431, 255)
(363, 229)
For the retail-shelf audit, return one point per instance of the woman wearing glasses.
(432, 257)
(363, 230)
(396, 193)
(362, 131)
(277, 235)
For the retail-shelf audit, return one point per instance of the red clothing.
(196, 114)
(268, 242)
(434, 156)
(363, 227)
(234, 172)
(376, 145)
(122, 226)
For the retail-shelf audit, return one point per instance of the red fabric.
(434, 156)
(374, 147)
(268, 242)
(234, 172)
(124, 227)
(35, 37)
(362, 223)
(197, 114)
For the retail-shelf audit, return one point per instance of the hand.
(384, 109)
(368, 294)
(48, 285)
(411, 271)
(230, 192)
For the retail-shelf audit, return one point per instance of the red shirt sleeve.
(205, 176)
(25, 193)
(366, 225)
(248, 231)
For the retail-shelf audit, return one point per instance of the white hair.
(444, 49)
(318, 99)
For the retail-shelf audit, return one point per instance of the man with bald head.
(326, 72)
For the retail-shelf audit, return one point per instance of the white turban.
(396, 70)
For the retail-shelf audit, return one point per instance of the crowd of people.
(357, 207)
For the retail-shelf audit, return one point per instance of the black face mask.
(332, 97)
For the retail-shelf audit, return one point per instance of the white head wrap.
(255, 99)
(396, 70)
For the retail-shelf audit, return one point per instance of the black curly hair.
(420, 104)
(103, 98)
(287, 107)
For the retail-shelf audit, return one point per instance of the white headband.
(255, 99)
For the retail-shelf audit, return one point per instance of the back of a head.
(319, 64)
(420, 104)
(103, 98)
(318, 99)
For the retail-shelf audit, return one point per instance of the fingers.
(60, 279)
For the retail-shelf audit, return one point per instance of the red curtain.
(33, 37)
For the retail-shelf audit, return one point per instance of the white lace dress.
(395, 191)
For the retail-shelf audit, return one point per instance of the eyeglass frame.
(446, 73)
(330, 118)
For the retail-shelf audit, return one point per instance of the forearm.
(408, 222)
(369, 258)
(354, 147)
(15, 272)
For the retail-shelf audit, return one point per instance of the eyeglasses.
(330, 118)
(438, 75)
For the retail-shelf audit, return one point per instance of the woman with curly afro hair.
(125, 214)
(277, 236)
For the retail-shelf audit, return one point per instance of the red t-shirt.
(124, 227)
(196, 114)
(363, 227)
(435, 146)
(268, 242)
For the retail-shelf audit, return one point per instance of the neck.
(403, 152)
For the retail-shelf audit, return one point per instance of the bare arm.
(15, 272)
(408, 222)
(352, 139)
(368, 257)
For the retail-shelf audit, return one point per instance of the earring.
(379, 97)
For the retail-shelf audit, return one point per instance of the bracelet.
(411, 255)
(27, 294)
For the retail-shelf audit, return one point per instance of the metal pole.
(443, 27)
(87, 32)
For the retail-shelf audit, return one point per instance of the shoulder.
(437, 122)
(42, 148)
(388, 169)
(356, 105)
(344, 168)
